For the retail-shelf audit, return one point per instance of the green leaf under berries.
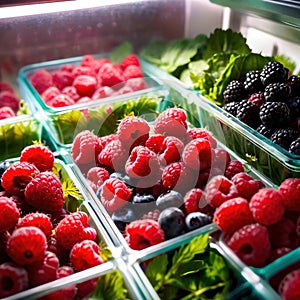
(73, 197)
(110, 287)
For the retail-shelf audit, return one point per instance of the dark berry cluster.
(268, 100)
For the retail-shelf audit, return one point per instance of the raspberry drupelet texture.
(96, 176)
(290, 192)
(289, 285)
(9, 214)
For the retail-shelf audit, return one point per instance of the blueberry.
(196, 220)
(122, 217)
(4, 165)
(172, 222)
(143, 203)
(171, 198)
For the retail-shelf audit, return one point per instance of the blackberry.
(274, 114)
(231, 107)
(257, 98)
(294, 106)
(295, 146)
(234, 91)
(265, 131)
(294, 83)
(284, 137)
(248, 113)
(272, 72)
(252, 82)
(277, 92)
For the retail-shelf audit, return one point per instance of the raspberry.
(71, 92)
(194, 200)
(136, 84)
(15, 179)
(9, 213)
(27, 245)
(108, 138)
(39, 155)
(142, 162)
(132, 72)
(39, 220)
(6, 86)
(290, 192)
(129, 60)
(45, 191)
(251, 244)
(133, 131)
(202, 133)
(13, 279)
(141, 234)
(6, 112)
(85, 255)
(278, 252)
(85, 289)
(110, 75)
(10, 100)
(114, 194)
(41, 80)
(172, 121)
(289, 286)
(154, 142)
(67, 67)
(221, 159)
(96, 176)
(246, 185)
(86, 147)
(85, 85)
(267, 206)
(234, 167)
(197, 154)
(220, 189)
(60, 100)
(74, 228)
(113, 156)
(49, 94)
(170, 150)
(43, 271)
(62, 78)
(102, 92)
(232, 215)
(82, 70)
(152, 215)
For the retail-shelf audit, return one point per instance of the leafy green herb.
(195, 271)
(120, 52)
(110, 287)
(287, 62)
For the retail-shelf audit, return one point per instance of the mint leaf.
(153, 51)
(120, 52)
(156, 271)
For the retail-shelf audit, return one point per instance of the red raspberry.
(6, 86)
(154, 142)
(39, 220)
(27, 245)
(10, 100)
(130, 60)
(234, 167)
(220, 159)
(267, 206)
(133, 131)
(6, 112)
(62, 254)
(13, 279)
(39, 155)
(9, 213)
(86, 148)
(41, 80)
(172, 121)
(102, 92)
(251, 244)
(45, 191)
(61, 78)
(114, 194)
(195, 133)
(74, 228)
(132, 72)
(220, 189)
(60, 100)
(197, 154)
(43, 271)
(257, 99)
(82, 70)
(85, 85)
(3, 255)
(290, 192)
(278, 252)
(141, 234)
(113, 156)
(246, 185)
(142, 162)
(136, 84)
(67, 67)
(49, 94)
(283, 234)
(87, 60)
(108, 138)
(152, 215)
(15, 179)
(85, 255)
(289, 286)
(194, 200)
(170, 150)
(71, 92)
(85, 288)
(96, 176)
(232, 215)
(110, 75)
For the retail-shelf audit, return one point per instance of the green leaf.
(153, 51)
(120, 52)
(287, 62)
(190, 267)
(156, 271)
